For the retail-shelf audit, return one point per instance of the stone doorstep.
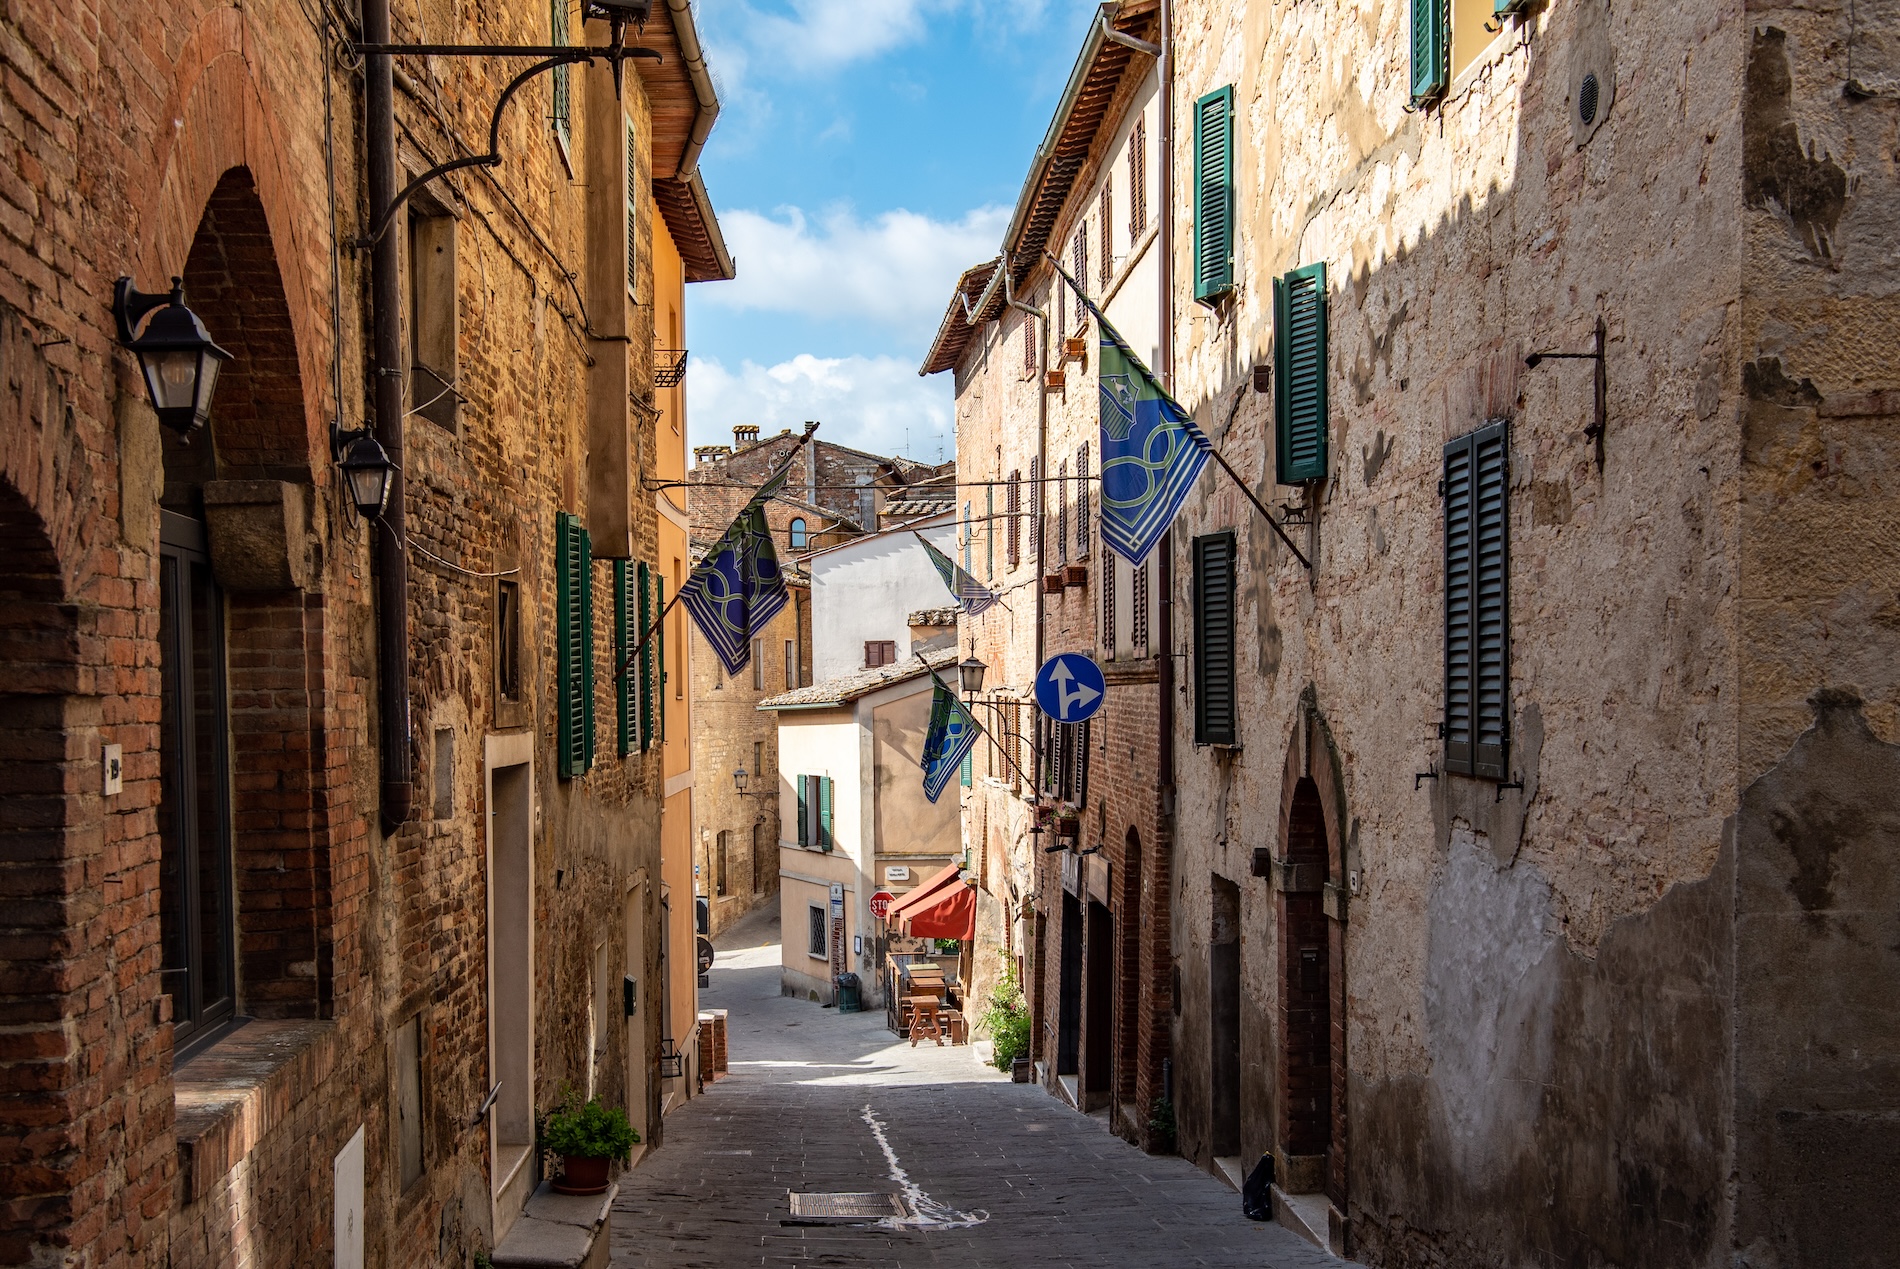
(232, 1094)
(558, 1231)
(1308, 1215)
(1229, 1168)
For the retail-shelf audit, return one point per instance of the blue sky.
(867, 152)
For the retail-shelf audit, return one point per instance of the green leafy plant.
(1006, 1017)
(1161, 1124)
(948, 947)
(591, 1131)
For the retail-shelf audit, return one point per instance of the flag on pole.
(1151, 450)
(953, 733)
(973, 596)
(734, 592)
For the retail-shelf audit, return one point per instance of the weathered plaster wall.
(1482, 924)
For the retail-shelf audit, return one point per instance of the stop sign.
(881, 903)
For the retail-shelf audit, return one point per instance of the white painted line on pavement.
(930, 1214)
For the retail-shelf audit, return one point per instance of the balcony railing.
(669, 367)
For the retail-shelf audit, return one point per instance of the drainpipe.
(386, 370)
(1165, 711)
(1042, 482)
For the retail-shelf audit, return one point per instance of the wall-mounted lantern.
(970, 674)
(742, 781)
(176, 356)
(366, 469)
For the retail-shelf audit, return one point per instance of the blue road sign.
(1069, 687)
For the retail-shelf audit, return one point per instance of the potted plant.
(588, 1139)
(1006, 1018)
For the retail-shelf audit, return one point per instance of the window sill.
(229, 1096)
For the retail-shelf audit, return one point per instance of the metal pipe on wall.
(387, 375)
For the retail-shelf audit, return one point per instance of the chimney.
(745, 434)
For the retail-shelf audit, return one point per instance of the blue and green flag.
(1151, 451)
(738, 588)
(971, 595)
(953, 733)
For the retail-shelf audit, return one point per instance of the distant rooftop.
(850, 687)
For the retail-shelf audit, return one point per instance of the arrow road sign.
(1069, 687)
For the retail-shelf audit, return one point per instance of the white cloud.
(868, 403)
(823, 35)
(896, 269)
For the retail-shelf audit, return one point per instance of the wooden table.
(923, 1019)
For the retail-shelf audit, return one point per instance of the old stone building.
(1502, 907)
(834, 494)
(329, 842)
(1529, 863)
(1065, 824)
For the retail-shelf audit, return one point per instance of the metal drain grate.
(842, 1209)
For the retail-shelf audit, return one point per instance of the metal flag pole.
(634, 654)
(1211, 449)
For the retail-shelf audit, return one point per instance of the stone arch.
(226, 120)
(1309, 880)
(248, 478)
(43, 825)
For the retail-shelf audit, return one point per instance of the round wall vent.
(1587, 99)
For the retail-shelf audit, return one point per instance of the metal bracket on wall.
(1509, 784)
(551, 55)
(1419, 777)
(1602, 418)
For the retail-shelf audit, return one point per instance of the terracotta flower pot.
(582, 1176)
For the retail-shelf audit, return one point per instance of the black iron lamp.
(741, 781)
(970, 673)
(366, 468)
(176, 355)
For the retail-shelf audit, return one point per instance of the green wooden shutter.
(1491, 602)
(1477, 603)
(804, 810)
(966, 770)
(571, 645)
(1430, 51)
(825, 839)
(587, 650)
(1214, 557)
(1299, 355)
(645, 671)
(1214, 194)
(626, 725)
(1457, 726)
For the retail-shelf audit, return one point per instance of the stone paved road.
(1018, 1178)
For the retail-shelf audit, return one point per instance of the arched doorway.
(1306, 1061)
(1309, 1111)
(244, 859)
(40, 815)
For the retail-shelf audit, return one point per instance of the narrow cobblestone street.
(997, 1173)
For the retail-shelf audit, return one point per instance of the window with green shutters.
(804, 810)
(823, 838)
(644, 606)
(1477, 603)
(1430, 50)
(574, 640)
(1214, 569)
(627, 631)
(1214, 194)
(1299, 372)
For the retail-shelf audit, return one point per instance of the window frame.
(818, 933)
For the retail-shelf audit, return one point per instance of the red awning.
(943, 907)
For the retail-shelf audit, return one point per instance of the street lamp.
(740, 779)
(366, 467)
(970, 671)
(176, 356)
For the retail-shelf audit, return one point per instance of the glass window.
(799, 537)
(194, 821)
(819, 944)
